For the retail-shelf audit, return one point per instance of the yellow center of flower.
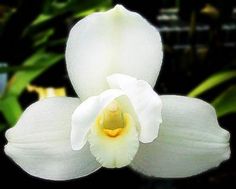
(111, 120)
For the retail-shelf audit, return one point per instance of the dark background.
(189, 58)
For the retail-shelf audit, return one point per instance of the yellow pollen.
(113, 133)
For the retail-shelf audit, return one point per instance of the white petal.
(85, 115)
(190, 141)
(118, 151)
(116, 41)
(146, 104)
(40, 142)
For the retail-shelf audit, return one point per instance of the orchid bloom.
(113, 60)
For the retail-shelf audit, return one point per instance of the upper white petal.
(116, 41)
(146, 103)
(40, 142)
(190, 140)
(85, 115)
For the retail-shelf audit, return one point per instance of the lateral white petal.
(116, 41)
(85, 115)
(40, 142)
(190, 140)
(146, 103)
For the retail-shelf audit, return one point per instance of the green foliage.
(40, 61)
(54, 9)
(8, 69)
(11, 109)
(2, 127)
(225, 103)
(36, 64)
(212, 82)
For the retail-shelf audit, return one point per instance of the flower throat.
(112, 120)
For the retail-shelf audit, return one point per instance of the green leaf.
(225, 103)
(20, 68)
(2, 127)
(21, 79)
(11, 109)
(42, 18)
(212, 82)
(52, 9)
(42, 37)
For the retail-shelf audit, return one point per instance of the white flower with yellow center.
(119, 120)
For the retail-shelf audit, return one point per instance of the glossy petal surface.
(40, 142)
(116, 41)
(190, 141)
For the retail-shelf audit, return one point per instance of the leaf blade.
(21, 79)
(225, 103)
(11, 109)
(211, 82)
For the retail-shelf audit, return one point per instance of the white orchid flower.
(113, 59)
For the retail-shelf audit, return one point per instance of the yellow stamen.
(111, 120)
(113, 133)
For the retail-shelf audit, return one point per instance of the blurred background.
(199, 39)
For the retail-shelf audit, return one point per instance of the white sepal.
(190, 141)
(40, 142)
(115, 41)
